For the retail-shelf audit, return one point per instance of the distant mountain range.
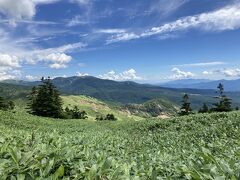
(117, 92)
(229, 85)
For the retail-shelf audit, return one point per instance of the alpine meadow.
(119, 90)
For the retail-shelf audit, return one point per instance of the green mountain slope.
(153, 108)
(92, 106)
(193, 147)
(13, 91)
(95, 108)
(129, 92)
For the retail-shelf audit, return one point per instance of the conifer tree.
(2, 104)
(6, 105)
(31, 106)
(224, 104)
(11, 105)
(204, 109)
(186, 106)
(45, 100)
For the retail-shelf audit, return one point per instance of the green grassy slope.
(153, 108)
(94, 107)
(194, 147)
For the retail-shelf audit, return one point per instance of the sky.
(139, 40)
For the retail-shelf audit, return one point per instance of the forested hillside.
(126, 92)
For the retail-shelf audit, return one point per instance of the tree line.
(6, 105)
(45, 101)
(223, 104)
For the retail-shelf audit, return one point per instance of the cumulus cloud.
(226, 18)
(7, 60)
(227, 72)
(179, 74)
(207, 73)
(21, 9)
(57, 66)
(5, 76)
(8, 72)
(9, 67)
(31, 78)
(59, 60)
(55, 57)
(130, 74)
(231, 72)
(81, 74)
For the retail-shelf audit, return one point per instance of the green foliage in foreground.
(6, 105)
(224, 104)
(109, 117)
(186, 106)
(74, 113)
(191, 147)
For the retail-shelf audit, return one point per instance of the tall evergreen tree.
(6, 105)
(31, 106)
(186, 106)
(45, 100)
(204, 109)
(224, 104)
(2, 104)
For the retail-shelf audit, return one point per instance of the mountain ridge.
(125, 92)
(230, 85)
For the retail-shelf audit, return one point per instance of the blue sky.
(139, 40)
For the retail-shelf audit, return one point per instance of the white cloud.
(207, 73)
(9, 67)
(122, 37)
(81, 2)
(5, 76)
(204, 64)
(77, 20)
(81, 74)
(231, 72)
(20, 9)
(7, 60)
(57, 66)
(179, 74)
(227, 72)
(110, 31)
(44, 1)
(59, 60)
(14, 53)
(55, 57)
(130, 74)
(226, 18)
(31, 78)
(7, 72)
